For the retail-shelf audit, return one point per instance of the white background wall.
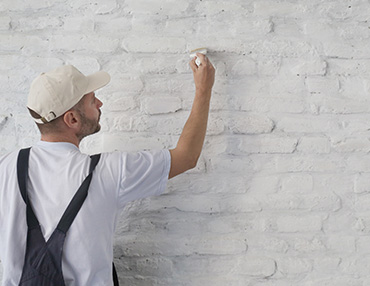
(281, 194)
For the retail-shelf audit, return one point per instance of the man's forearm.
(192, 137)
(189, 146)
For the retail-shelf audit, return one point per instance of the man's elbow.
(193, 162)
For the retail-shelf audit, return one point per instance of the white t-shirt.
(56, 170)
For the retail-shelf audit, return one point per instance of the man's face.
(90, 115)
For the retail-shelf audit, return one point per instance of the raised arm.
(185, 155)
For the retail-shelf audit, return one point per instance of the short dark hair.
(55, 125)
(49, 127)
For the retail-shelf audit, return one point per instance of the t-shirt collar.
(57, 146)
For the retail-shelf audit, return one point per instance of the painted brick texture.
(281, 193)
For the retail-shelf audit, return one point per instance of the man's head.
(61, 97)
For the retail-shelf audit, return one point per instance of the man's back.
(56, 170)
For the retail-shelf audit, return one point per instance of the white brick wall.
(281, 194)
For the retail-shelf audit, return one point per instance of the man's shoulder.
(8, 161)
(9, 156)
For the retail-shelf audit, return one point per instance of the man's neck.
(60, 138)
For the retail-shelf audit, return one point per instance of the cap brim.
(97, 80)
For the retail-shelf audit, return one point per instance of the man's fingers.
(193, 65)
(201, 57)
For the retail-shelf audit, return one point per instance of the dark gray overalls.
(43, 260)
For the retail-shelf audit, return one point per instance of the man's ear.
(72, 119)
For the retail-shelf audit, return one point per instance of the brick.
(327, 31)
(149, 64)
(319, 85)
(244, 67)
(313, 67)
(82, 42)
(312, 144)
(97, 6)
(353, 31)
(219, 7)
(171, 7)
(308, 245)
(216, 124)
(206, 204)
(214, 145)
(335, 280)
(342, 244)
(272, 104)
(343, 49)
(159, 105)
(39, 23)
(154, 45)
(28, 45)
(5, 22)
(352, 145)
(341, 11)
(217, 280)
(250, 124)
(267, 8)
(361, 183)
(40, 64)
(294, 266)
(263, 184)
(284, 86)
(258, 266)
(293, 224)
(122, 123)
(267, 243)
(86, 65)
(322, 202)
(268, 65)
(362, 244)
(361, 201)
(76, 24)
(177, 27)
(326, 264)
(306, 124)
(19, 5)
(354, 88)
(151, 25)
(117, 102)
(185, 245)
(340, 221)
(283, 47)
(355, 266)
(181, 86)
(358, 163)
(200, 185)
(268, 144)
(148, 266)
(309, 163)
(297, 183)
(123, 84)
(106, 25)
(287, 26)
(348, 67)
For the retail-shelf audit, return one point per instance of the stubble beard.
(89, 126)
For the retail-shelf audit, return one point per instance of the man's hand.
(204, 75)
(185, 155)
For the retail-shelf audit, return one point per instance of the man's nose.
(100, 104)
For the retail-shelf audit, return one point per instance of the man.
(66, 110)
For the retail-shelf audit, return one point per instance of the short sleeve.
(143, 174)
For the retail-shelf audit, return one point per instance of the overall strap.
(78, 199)
(22, 173)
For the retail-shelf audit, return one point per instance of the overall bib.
(43, 260)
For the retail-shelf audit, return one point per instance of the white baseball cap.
(55, 92)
